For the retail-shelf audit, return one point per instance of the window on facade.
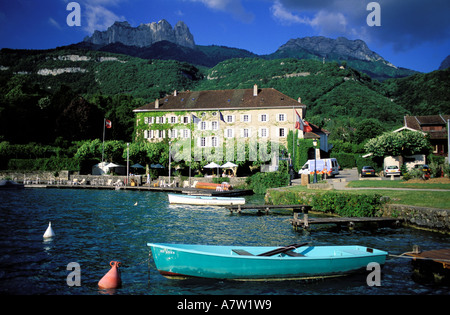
(173, 119)
(185, 133)
(263, 133)
(229, 118)
(214, 142)
(186, 120)
(281, 117)
(229, 133)
(203, 142)
(245, 118)
(264, 117)
(282, 132)
(429, 128)
(203, 125)
(215, 125)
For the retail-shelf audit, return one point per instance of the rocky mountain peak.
(445, 63)
(342, 48)
(144, 35)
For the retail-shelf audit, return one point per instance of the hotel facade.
(224, 122)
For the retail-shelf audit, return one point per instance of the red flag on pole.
(108, 123)
(301, 124)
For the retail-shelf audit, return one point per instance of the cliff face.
(341, 47)
(144, 35)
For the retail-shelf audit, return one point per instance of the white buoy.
(136, 203)
(49, 232)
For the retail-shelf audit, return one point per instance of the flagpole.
(293, 135)
(103, 145)
(190, 150)
(448, 141)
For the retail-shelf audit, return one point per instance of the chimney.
(300, 100)
(255, 90)
(157, 103)
(175, 93)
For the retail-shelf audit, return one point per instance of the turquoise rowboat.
(297, 261)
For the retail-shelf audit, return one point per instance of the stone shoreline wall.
(429, 218)
(64, 177)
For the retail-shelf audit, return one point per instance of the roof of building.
(315, 133)
(419, 122)
(222, 99)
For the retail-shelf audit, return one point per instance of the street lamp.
(170, 159)
(128, 163)
(315, 162)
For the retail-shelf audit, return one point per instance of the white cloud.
(323, 21)
(329, 23)
(286, 17)
(234, 7)
(98, 17)
(53, 22)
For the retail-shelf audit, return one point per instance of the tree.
(367, 129)
(402, 144)
(80, 120)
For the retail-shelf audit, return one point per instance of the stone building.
(217, 118)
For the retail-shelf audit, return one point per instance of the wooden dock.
(440, 256)
(433, 264)
(266, 208)
(306, 221)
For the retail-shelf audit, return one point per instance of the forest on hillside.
(60, 97)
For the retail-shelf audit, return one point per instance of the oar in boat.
(283, 249)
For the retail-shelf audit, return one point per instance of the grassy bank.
(432, 199)
(434, 183)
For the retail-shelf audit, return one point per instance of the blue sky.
(414, 34)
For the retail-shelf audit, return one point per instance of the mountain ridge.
(144, 35)
(178, 43)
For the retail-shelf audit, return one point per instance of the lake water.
(94, 227)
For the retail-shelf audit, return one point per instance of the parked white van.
(324, 166)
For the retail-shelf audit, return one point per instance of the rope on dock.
(421, 258)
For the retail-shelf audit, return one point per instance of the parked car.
(392, 170)
(425, 169)
(367, 171)
(329, 166)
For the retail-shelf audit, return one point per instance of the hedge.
(44, 164)
(261, 181)
(340, 203)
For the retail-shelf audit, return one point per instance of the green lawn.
(433, 199)
(395, 184)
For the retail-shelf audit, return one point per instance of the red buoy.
(112, 279)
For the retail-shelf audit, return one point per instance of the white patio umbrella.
(110, 165)
(232, 166)
(229, 165)
(213, 165)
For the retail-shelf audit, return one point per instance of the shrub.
(261, 181)
(348, 205)
(342, 204)
(345, 160)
